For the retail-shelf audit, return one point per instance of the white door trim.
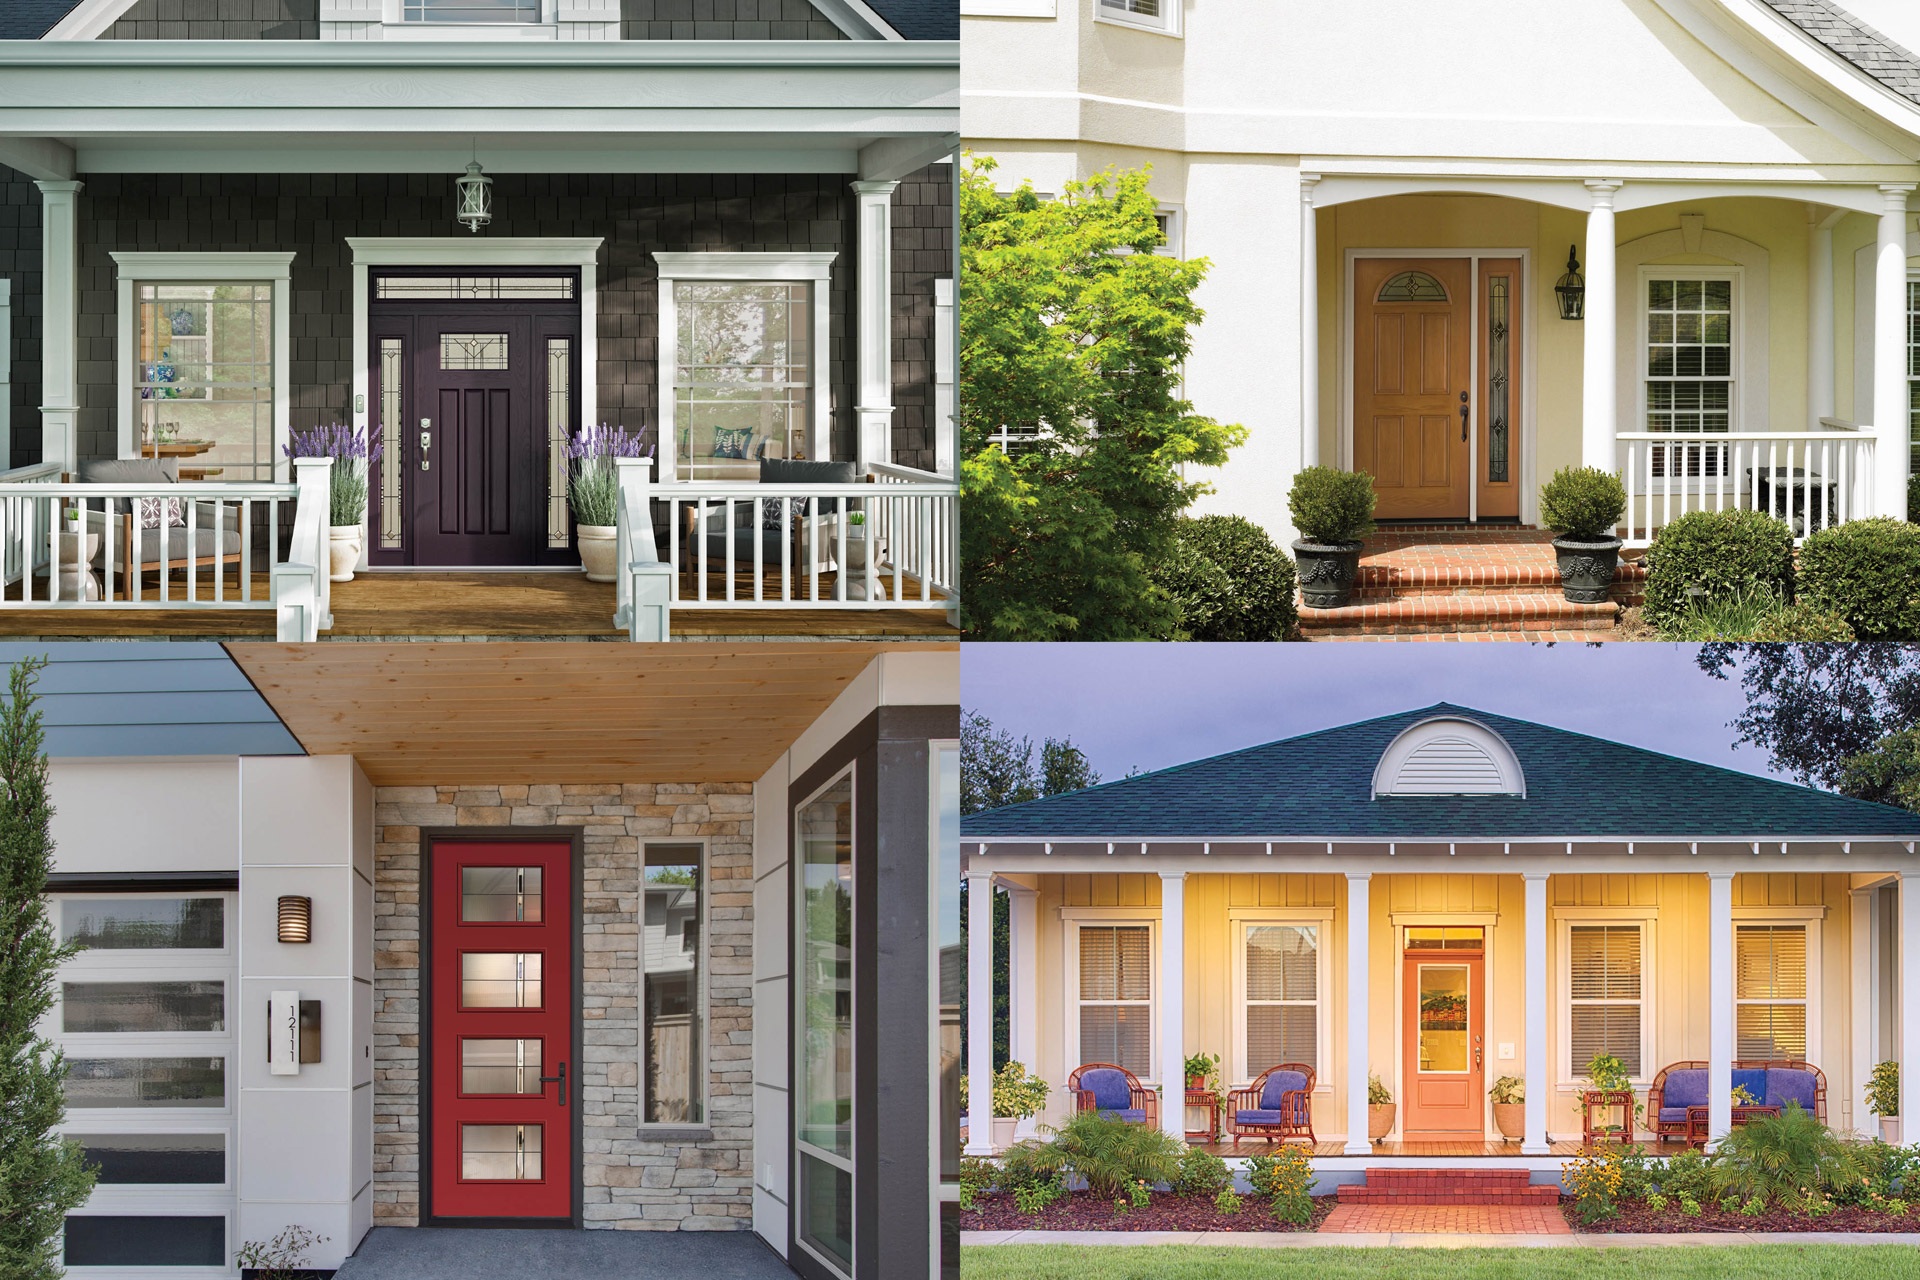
(1523, 317)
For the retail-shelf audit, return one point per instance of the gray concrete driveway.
(459, 1253)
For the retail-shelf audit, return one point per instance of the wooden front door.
(1444, 1035)
(1412, 350)
(503, 1084)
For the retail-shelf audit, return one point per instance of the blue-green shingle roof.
(1320, 785)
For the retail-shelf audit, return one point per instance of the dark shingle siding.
(921, 19)
(922, 254)
(1856, 42)
(218, 20)
(20, 263)
(724, 20)
(1320, 785)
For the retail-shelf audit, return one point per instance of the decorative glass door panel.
(501, 1083)
(1411, 349)
(1443, 1036)
(1497, 489)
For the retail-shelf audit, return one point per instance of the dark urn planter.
(1587, 568)
(1328, 571)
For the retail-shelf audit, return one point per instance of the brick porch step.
(1449, 1186)
(1395, 581)
(1459, 614)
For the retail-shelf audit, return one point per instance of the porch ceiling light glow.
(1572, 289)
(296, 918)
(476, 198)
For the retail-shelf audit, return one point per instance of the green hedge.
(1715, 554)
(1868, 572)
(1230, 580)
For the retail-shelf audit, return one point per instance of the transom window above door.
(470, 10)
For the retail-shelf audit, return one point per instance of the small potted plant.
(593, 492)
(1016, 1096)
(1509, 1094)
(1607, 1106)
(856, 541)
(354, 451)
(1333, 510)
(1380, 1109)
(1200, 1069)
(1883, 1099)
(1583, 505)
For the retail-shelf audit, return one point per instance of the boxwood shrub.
(1332, 506)
(1716, 553)
(1230, 580)
(1583, 503)
(1868, 572)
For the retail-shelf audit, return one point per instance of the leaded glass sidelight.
(1499, 374)
(393, 444)
(559, 397)
(1412, 286)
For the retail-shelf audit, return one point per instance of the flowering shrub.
(1285, 1179)
(593, 491)
(353, 452)
(1593, 1178)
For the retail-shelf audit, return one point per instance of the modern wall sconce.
(296, 918)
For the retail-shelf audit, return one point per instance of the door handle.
(426, 442)
(561, 1079)
(1463, 417)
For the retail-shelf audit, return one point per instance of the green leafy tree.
(42, 1177)
(1072, 334)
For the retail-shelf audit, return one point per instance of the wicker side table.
(1209, 1102)
(1606, 1115)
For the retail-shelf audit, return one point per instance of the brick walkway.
(1447, 1219)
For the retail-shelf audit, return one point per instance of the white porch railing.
(1810, 479)
(69, 545)
(643, 584)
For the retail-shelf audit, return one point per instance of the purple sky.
(1153, 705)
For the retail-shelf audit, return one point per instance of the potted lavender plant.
(593, 491)
(354, 452)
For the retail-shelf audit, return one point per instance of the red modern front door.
(502, 1085)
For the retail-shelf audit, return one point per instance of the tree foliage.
(1072, 332)
(42, 1177)
(1841, 716)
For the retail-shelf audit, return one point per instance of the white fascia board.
(1880, 857)
(1780, 36)
(374, 55)
(801, 153)
(89, 20)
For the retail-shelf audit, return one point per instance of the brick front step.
(1390, 582)
(1461, 614)
(1449, 1187)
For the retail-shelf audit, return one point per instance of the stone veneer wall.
(630, 1183)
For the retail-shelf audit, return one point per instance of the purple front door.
(471, 398)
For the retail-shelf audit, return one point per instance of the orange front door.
(1412, 369)
(1445, 1039)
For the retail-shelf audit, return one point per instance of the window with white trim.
(1280, 995)
(1770, 991)
(1115, 999)
(1689, 367)
(497, 11)
(673, 986)
(145, 1021)
(1153, 15)
(1606, 995)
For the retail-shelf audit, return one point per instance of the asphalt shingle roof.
(1319, 785)
(921, 19)
(1856, 42)
(31, 19)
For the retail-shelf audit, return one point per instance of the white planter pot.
(77, 579)
(596, 544)
(343, 551)
(1890, 1129)
(1003, 1127)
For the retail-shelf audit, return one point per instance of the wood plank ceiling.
(453, 714)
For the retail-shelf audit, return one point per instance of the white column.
(1023, 979)
(1719, 1004)
(1538, 1086)
(1173, 1003)
(1863, 1003)
(1890, 460)
(60, 323)
(873, 332)
(1820, 372)
(1599, 421)
(979, 1013)
(1309, 324)
(1358, 1062)
(1909, 1006)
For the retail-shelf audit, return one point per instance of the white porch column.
(1538, 1086)
(1173, 1003)
(1599, 422)
(1909, 1006)
(873, 332)
(1309, 324)
(1359, 917)
(1719, 1005)
(1820, 372)
(60, 323)
(1890, 457)
(1862, 1005)
(1023, 978)
(979, 1013)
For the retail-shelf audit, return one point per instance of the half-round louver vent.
(1449, 757)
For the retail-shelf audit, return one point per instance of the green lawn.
(1676, 1262)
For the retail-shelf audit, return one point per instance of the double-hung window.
(1280, 989)
(1913, 373)
(1689, 368)
(1770, 991)
(1606, 996)
(1154, 15)
(1115, 995)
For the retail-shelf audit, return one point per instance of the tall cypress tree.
(42, 1177)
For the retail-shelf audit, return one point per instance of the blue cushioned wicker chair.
(1278, 1104)
(1113, 1091)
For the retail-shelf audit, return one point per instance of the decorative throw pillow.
(730, 443)
(773, 511)
(158, 513)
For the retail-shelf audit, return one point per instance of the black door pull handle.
(1463, 416)
(561, 1080)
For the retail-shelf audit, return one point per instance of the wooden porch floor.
(517, 605)
(1390, 1150)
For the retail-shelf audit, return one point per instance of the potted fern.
(1883, 1099)
(1583, 505)
(1607, 1106)
(1380, 1109)
(1333, 510)
(1509, 1094)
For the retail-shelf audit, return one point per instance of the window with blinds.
(1689, 371)
(1913, 372)
(1604, 995)
(1770, 991)
(1282, 996)
(1116, 996)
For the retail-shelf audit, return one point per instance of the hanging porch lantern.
(1572, 289)
(476, 198)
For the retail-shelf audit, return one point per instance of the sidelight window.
(673, 995)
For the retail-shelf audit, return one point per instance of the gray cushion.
(792, 471)
(131, 471)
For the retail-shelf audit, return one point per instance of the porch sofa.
(1772, 1082)
(1114, 1092)
(215, 540)
(762, 521)
(1276, 1105)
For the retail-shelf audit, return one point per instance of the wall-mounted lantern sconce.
(476, 198)
(1572, 289)
(296, 919)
